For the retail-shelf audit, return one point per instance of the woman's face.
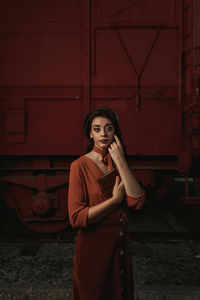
(102, 132)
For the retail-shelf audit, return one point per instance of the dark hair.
(101, 111)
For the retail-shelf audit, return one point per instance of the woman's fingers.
(117, 140)
(113, 144)
(116, 150)
(116, 143)
(121, 183)
(117, 180)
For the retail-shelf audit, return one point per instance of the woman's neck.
(100, 151)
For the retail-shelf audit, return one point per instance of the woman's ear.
(91, 136)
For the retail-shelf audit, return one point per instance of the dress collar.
(100, 151)
(107, 160)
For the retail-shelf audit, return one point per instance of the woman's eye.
(96, 129)
(109, 128)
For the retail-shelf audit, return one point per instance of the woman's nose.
(103, 132)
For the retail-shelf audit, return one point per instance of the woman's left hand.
(116, 150)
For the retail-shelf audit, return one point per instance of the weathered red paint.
(60, 58)
(40, 200)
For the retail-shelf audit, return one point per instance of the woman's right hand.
(97, 212)
(118, 190)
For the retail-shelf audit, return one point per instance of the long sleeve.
(136, 203)
(77, 204)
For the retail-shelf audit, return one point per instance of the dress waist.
(114, 220)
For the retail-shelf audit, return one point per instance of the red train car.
(61, 58)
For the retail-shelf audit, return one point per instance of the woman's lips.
(104, 141)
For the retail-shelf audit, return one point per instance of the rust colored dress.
(102, 262)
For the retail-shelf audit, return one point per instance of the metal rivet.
(121, 252)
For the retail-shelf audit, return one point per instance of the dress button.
(121, 233)
(122, 271)
(121, 252)
(122, 288)
(121, 220)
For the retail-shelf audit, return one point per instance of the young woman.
(101, 186)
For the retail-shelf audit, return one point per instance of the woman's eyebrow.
(100, 125)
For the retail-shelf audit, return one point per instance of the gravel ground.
(50, 267)
(162, 271)
(169, 264)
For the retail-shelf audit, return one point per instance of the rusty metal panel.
(46, 122)
(14, 120)
(40, 42)
(191, 84)
(1, 121)
(136, 69)
(42, 84)
(61, 58)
